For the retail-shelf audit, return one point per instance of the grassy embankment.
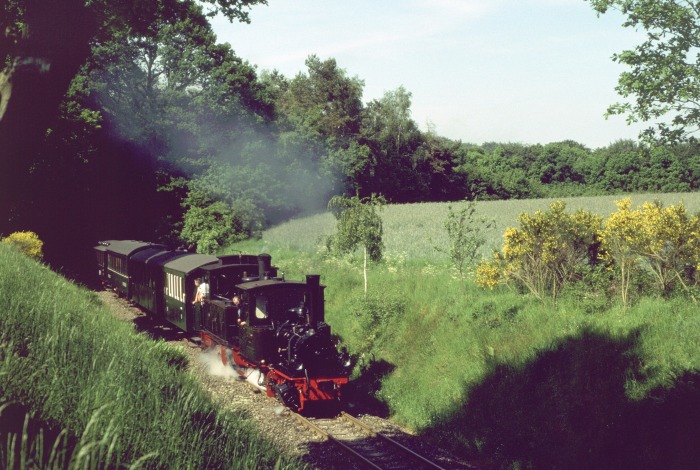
(80, 389)
(498, 375)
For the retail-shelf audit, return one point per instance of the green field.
(499, 376)
(412, 230)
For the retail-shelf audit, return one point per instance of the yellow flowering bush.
(544, 253)
(620, 239)
(27, 242)
(663, 240)
(671, 242)
(489, 273)
(549, 247)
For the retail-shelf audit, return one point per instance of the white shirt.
(203, 291)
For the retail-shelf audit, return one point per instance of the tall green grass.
(80, 389)
(500, 376)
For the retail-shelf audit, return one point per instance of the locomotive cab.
(265, 306)
(222, 316)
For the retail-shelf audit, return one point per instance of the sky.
(525, 71)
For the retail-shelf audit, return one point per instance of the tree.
(173, 90)
(557, 163)
(63, 165)
(663, 83)
(325, 100)
(212, 225)
(465, 231)
(319, 115)
(437, 162)
(359, 224)
(393, 138)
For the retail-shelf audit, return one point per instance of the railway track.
(370, 448)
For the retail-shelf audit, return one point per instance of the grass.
(80, 389)
(412, 230)
(499, 376)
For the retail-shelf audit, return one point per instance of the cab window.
(261, 309)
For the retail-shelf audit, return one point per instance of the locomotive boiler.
(258, 320)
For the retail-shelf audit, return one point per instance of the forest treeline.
(165, 134)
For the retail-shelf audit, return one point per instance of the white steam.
(211, 359)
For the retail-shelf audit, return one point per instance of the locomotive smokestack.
(315, 299)
(264, 265)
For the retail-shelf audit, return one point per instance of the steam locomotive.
(276, 330)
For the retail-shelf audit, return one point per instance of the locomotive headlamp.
(345, 358)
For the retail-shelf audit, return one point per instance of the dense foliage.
(153, 130)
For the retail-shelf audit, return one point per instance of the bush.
(375, 312)
(662, 241)
(27, 242)
(213, 224)
(545, 253)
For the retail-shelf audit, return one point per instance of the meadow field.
(412, 230)
(497, 375)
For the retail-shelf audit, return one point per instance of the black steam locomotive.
(275, 329)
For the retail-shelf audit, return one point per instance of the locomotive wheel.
(288, 395)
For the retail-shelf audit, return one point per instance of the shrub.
(546, 251)
(489, 272)
(665, 241)
(375, 312)
(213, 224)
(27, 242)
(466, 234)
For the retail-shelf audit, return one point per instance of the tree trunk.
(364, 270)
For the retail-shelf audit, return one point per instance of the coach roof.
(189, 263)
(126, 247)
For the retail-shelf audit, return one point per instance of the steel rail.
(371, 432)
(328, 437)
(392, 441)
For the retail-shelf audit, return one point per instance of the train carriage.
(101, 258)
(178, 278)
(148, 282)
(117, 254)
